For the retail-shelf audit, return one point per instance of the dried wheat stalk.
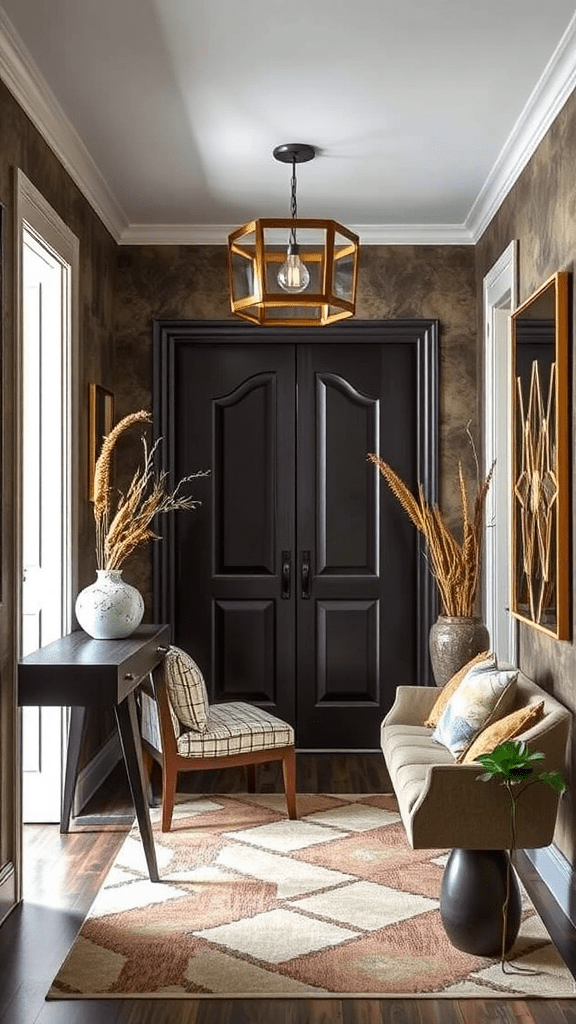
(455, 565)
(120, 532)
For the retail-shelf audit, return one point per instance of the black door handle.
(286, 574)
(305, 578)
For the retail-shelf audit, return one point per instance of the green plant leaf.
(510, 762)
(555, 780)
(516, 775)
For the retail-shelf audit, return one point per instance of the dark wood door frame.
(422, 335)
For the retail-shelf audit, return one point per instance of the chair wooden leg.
(251, 777)
(169, 778)
(289, 773)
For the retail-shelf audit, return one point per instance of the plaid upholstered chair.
(182, 732)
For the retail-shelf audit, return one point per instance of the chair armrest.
(412, 705)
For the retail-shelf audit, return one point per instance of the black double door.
(299, 584)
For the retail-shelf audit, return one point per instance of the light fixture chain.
(293, 205)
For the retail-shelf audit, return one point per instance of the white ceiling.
(422, 112)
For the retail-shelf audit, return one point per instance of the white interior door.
(500, 298)
(44, 288)
(46, 509)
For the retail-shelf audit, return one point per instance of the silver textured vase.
(110, 608)
(454, 640)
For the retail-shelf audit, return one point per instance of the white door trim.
(33, 210)
(500, 297)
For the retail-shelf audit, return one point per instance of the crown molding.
(21, 76)
(176, 234)
(413, 234)
(551, 92)
(369, 234)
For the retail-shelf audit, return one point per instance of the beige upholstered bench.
(441, 802)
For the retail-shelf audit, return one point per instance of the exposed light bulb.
(293, 275)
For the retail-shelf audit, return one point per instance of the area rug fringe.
(251, 905)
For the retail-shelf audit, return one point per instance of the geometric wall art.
(540, 451)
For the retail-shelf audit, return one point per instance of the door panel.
(358, 631)
(299, 584)
(244, 645)
(347, 655)
(244, 477)
(347, 426)
(233, 411)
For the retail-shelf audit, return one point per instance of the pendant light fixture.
(291, 271)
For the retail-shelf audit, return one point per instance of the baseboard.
(7, 890)
(91, 777)
(558, 877)
(338, 750)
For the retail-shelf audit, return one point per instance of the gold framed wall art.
(540, 460)
(100, 423)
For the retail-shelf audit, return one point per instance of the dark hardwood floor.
(63, 873)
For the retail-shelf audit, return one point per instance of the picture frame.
(100, 423)
(540, 460)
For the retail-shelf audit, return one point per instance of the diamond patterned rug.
(252, 904)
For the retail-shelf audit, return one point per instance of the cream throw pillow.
(486, 658)
(186, 689)
(481, 698)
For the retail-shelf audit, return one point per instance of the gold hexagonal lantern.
(290, 271)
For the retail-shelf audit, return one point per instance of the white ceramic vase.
(109, 608)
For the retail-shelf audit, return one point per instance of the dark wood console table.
(81, 673)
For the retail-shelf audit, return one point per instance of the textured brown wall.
(22, 146)
(540, 211)
(394, 282)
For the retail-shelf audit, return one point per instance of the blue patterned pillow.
(481, 698)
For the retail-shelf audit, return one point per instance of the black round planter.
(471, 900)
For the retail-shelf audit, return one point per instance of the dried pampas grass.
(455, 565)
(120, 530)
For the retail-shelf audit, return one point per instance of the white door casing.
(500, 297)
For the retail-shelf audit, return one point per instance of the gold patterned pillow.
(447, 691)
(505, 729)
